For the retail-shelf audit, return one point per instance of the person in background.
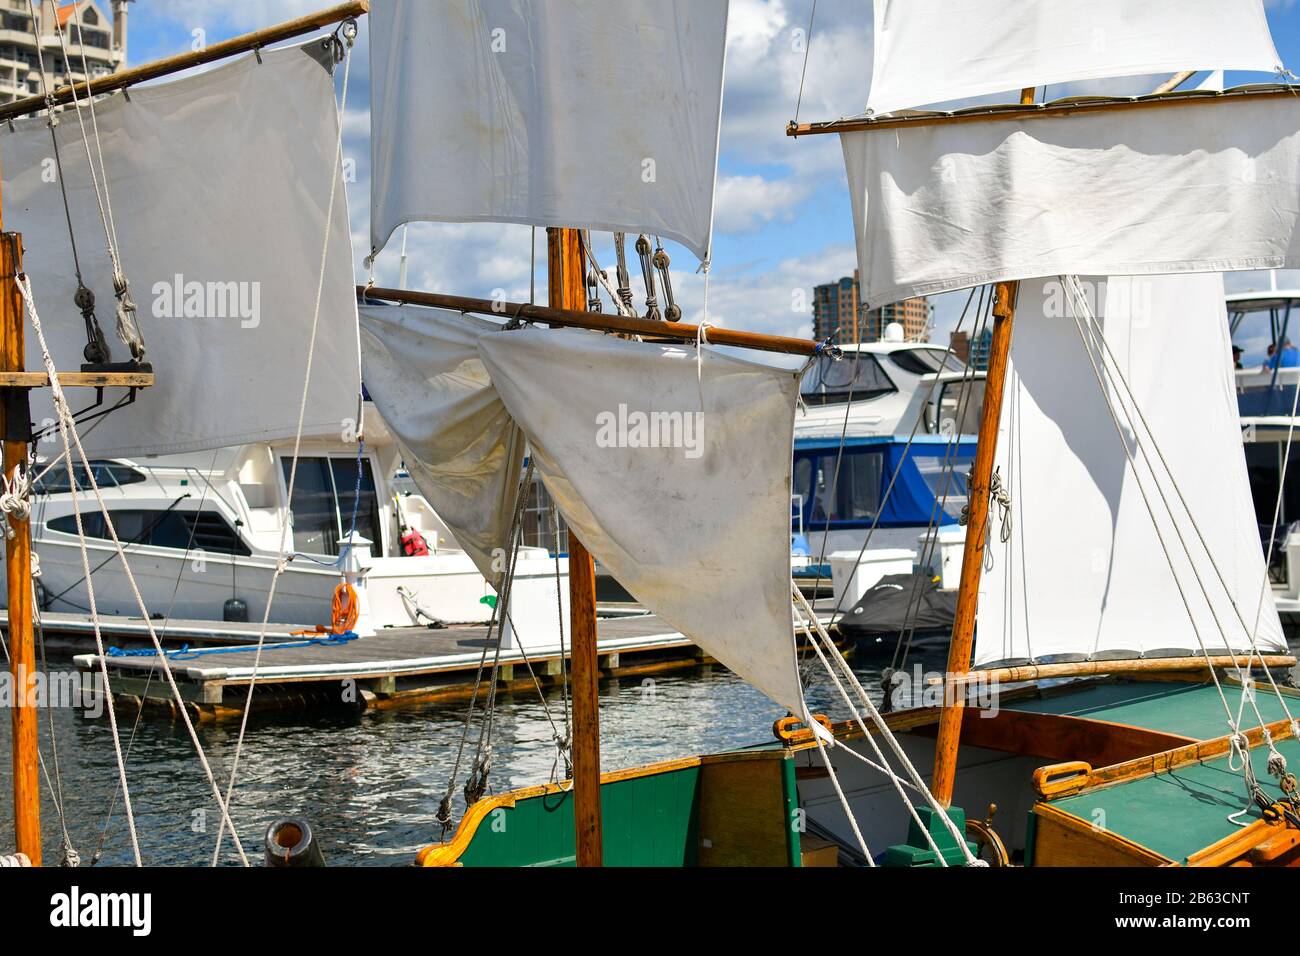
(1285, 357)
(1236, 357)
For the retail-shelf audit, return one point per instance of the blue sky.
(783, 222)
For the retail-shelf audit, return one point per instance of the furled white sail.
(462, 449)
(1084, 574)
(1205, 186)
(600, 114)
(935, 51)
(676, 476)
(219, 186)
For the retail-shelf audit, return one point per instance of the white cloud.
(745, 203)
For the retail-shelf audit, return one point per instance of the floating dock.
(398, 667)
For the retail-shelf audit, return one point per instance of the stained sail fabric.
(675, 476)
(1084, 574)
(1203, 186)
(934, 51)
(461, 447)
(219, 186)
(600, 114)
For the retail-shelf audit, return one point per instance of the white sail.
(1205, 186)
(1084, 574)
(676, 476)
(935, 51)
(599, 114)
(219, 186)
(462, 449)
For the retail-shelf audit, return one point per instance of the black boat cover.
(887, 607)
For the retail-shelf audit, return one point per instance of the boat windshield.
(322, 506)
(107, 474)
(926, 361)
(856, 376)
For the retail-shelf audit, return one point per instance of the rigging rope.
(344, 37)
(899, 754)
(1102, 374)
(68, 434)
(96, 350)
(128, 327)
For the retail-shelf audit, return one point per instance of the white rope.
(15, 500)
(885, 732)
(883, 767)
(285, 555)
(1250, 632)
(68, 430)
(16, 860)
(1102, 373)
(839, 791)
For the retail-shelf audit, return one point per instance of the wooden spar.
(597, 321)
(567, 291)
(1175, 81)
(963, 628)
(1143, 665)
(1032, 111)
(15, 421)
(184, 61)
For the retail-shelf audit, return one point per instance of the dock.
(398, 667)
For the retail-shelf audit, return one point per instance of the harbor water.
(369, 783)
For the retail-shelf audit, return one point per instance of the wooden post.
(15, 423)
(567, 290)
(963, 627)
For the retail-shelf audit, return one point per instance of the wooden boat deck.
(1172, 807)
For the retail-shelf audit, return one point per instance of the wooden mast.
(963, 628)
(16, 423)
(567, 290)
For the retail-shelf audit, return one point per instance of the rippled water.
(370, 783)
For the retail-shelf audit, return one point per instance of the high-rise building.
(104, 44)
(959, 343)
(837, 315)
(980, 349)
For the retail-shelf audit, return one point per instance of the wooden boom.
(597, 321)
(1032, 111)
(184, 61)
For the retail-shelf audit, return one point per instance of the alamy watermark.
(636, 429)
(68, 690)
(182, 299)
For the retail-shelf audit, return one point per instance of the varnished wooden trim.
(1136, 852)
(78, 379)
(1019, 112)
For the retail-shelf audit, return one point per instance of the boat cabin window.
(107, 474)
(857, 375)
(853, 495)
(323, 497)
(926, 361)
(537, 530)
(958, 409)
(945, 475)
(160, 528)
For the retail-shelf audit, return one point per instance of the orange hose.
(345, 615)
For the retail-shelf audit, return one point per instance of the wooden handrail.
(596, 321)
(184, 61)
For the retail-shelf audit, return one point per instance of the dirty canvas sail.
(934, 51)
(675, 476)
(219, 186)
(600, 114)
(462, 449)
(1208, 185)
(1084, 574)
